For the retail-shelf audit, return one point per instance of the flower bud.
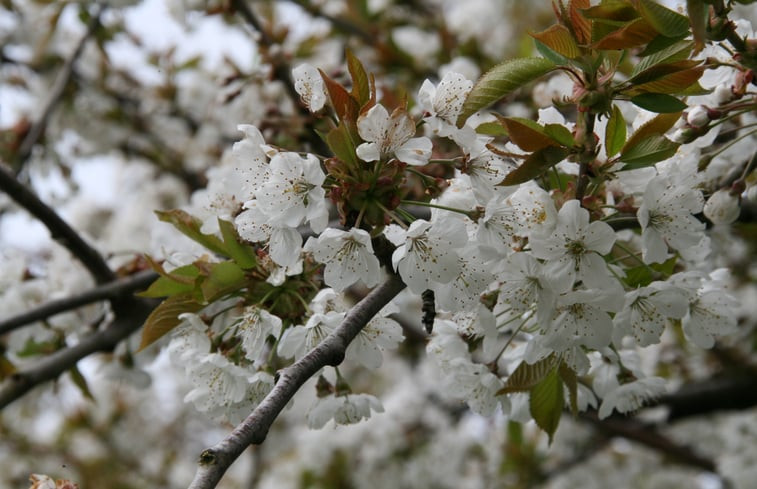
(697, 117)
(722, 207)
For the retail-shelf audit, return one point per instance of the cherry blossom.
(647, 310)
(427, 257)
(348, 256)
(631, 396)
(386, 135)
(345, 409)
(574, 249)
(444, 102)
(309, 85)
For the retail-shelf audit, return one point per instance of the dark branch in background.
(215, 460)
(51, 366)
(339, 24)
(59, 229)
(635, 430)
(56, 93)
(282, 72)
(112, 290)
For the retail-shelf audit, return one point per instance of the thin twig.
(56, 93)
(59, 229)
(51, 366)
(282, 72)
(215, 460)
(110, 290)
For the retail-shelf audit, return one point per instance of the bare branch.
(56, 92)
(635, 430)
(51, 366)
(215, 460)
(59, 229)
(111, 290)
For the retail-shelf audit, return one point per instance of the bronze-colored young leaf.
(665, 21)
(559, 39)
(190, 227)
(345, 106)
(615, 132)
(580, 24)
(500, 81)
(6, 367)
(525, 376)
(243, 254)
(677, 82)
(658, 125)
(659, 102)
(635, 33)
(547, 401)
(647, 152)
(537, 163)
(165, 317)
(528, 135)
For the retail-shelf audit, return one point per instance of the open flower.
(308, 83)
(666, 218)
(348, 409)
(444, 102)
(631, 396)
(647, 310)
(574, 249)
(386, 135)
(348, 256)
(293, 192)
(428, 255)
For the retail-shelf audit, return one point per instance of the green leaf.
(698, 13)
(551, 55)
(659, 102)
(223, 278)
(649, 151)
(190, 227)
(360, 86)
(658, 125)
(536, 164)
(570, 380)
(165, 317)
(615, 132)
(526, 376)
(178, 281)
(674, 53)
(33, 347)
(639, 276)
(560, 134)
(243, 254)
(500, 81)
(80, 382)
(341, 144)
(491, 129)
(547, 401)
(664, 20)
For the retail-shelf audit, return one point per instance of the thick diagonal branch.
(59, 229)
(215, 460)
(112, 290)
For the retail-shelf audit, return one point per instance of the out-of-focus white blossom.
(722, 207)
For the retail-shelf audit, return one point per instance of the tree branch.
(635, 430)
(111, 290)
(59, 229)
(51, 366)
(56, 93)
(215, 460)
